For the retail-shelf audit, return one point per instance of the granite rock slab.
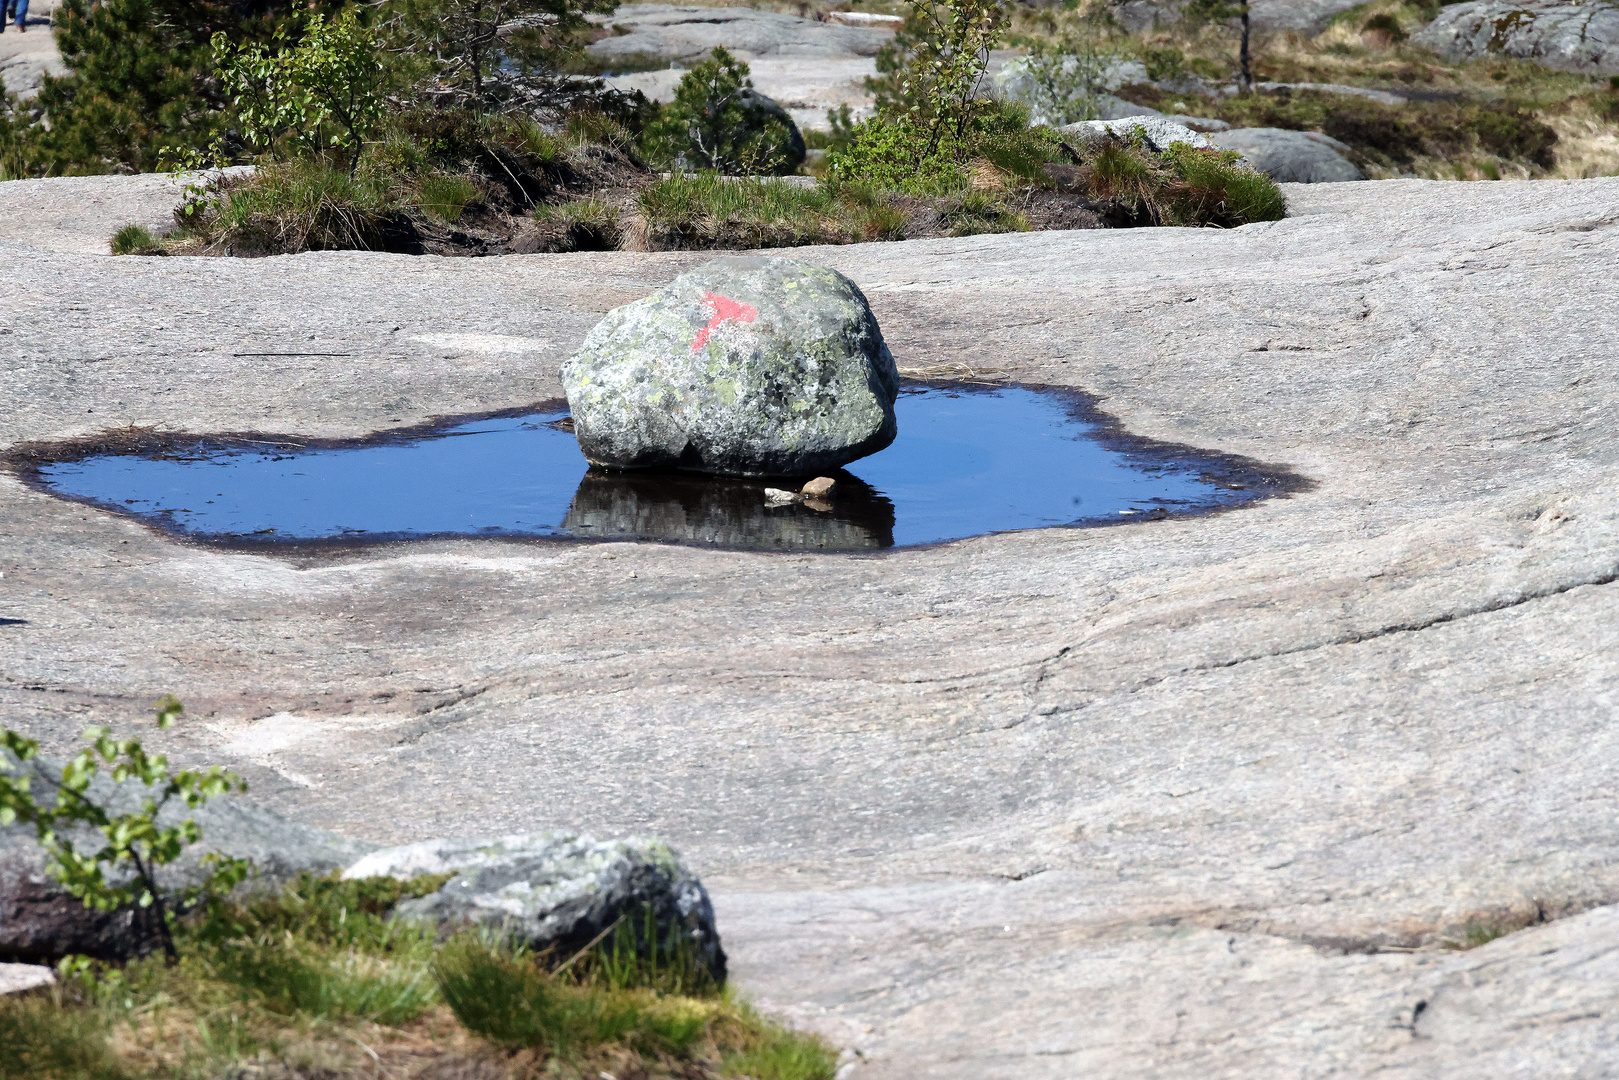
(1165, 799)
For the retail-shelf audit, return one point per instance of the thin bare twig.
(591, 945)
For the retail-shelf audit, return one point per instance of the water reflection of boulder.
(732, 513)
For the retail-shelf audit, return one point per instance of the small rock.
(749, 366)
(17, 978)
(1292, 157)
(1157, 132)
(778, 497)
(819, 488)
(865, 18)
(555, 891)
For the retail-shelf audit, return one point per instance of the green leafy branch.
(136, 844)
(330, 82)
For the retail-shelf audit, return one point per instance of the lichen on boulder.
(748, 366)
(557, 892)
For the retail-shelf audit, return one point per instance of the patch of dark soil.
(503, 222)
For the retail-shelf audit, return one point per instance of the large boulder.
(1572, 36)
(557, 892)
(749, 366)
(40, 922)
(1291, 157)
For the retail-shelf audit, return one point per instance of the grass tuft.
(45, 1038)
(135, 240)
(290, 207)
(445, 196)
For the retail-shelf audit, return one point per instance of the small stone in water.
(819, 488)
(778, 497)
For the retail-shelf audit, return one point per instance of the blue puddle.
(968, 461)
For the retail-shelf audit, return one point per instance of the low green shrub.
(895, 152)
(716, 121)
(839, 132)
(1165, 64)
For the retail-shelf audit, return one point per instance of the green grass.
(1475, 934)
(584, 63)
(44, 1037)
(779, 1054)
(318, 980)
(135, 240)
(445, 196)
(290, 207)
(708, 210)
(1183, 186)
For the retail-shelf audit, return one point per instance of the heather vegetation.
(471, 127)
(1495, 118)
(477, 127)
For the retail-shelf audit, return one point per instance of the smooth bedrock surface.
(1105, 803)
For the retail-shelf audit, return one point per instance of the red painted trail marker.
(725, 310)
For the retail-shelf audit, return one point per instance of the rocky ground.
(1188, 798)
(807, 65)
(26, 56)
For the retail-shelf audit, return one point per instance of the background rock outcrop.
(1291, 157)
(689, 34)
(1578, 36)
